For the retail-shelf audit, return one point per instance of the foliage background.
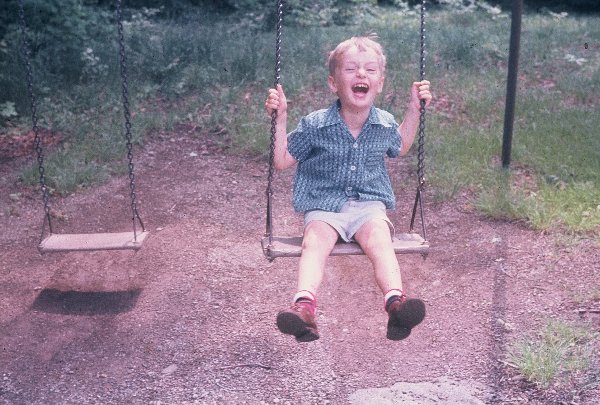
(206, 64)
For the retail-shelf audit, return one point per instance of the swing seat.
(92, 241)
(292, 246)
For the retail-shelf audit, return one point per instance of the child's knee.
(375, 232)
(318, 235)
(376, 228)
(310, 241)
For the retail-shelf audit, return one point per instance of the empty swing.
(54, 242)
(291, 246)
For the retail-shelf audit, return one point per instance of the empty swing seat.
(88, 241)
(292, 246)
(92, 241)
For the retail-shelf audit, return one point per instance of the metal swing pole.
(511, 81)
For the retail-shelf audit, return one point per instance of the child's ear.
(331, 83)
(380, 88)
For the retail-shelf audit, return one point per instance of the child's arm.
(276, 101)
(408, 129)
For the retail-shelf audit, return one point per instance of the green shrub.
(67, 43)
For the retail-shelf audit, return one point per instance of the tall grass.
(211, 72)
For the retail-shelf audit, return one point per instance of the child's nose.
(361, 72)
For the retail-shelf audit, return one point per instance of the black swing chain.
(278, 40)
(421, 149)
(421, 144)
(26, 57)
(127, 116)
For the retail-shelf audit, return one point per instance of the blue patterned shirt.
(333, 167)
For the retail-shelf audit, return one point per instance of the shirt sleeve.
(395, 142)
(299, 144)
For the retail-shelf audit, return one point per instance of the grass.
(554, 180)
(560, 354)
(212, 72)
(570, 207)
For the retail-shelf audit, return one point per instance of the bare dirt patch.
(192, 314)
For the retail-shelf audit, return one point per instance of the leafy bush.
(575, 5)
(66, 40)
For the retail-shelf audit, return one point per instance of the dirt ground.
(190, 318)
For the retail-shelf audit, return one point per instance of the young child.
(341, 182)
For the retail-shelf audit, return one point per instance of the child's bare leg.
(318, 241)
(299, 321)
(404, 313)
(375, 240)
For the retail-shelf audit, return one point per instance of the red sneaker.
(404, 314)
(299, 321)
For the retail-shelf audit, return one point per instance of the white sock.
(391, 293)
(305, 294)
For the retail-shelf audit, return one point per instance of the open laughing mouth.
(360, 88)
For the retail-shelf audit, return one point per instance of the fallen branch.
(246, 365)
(506, 363)
(505, 272)
(591, 385)
(229, 389)
(588, 310)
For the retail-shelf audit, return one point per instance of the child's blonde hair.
(362, 44)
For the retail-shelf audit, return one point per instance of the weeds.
(560, 353)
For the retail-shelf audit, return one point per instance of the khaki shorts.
(349, 220)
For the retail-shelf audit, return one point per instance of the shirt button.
(349, 188)
(352, 167)
(355, 145)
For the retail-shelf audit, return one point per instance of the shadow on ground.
(84, 302)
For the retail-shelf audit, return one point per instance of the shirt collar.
(333, 117)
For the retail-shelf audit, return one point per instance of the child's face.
(358, 78)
